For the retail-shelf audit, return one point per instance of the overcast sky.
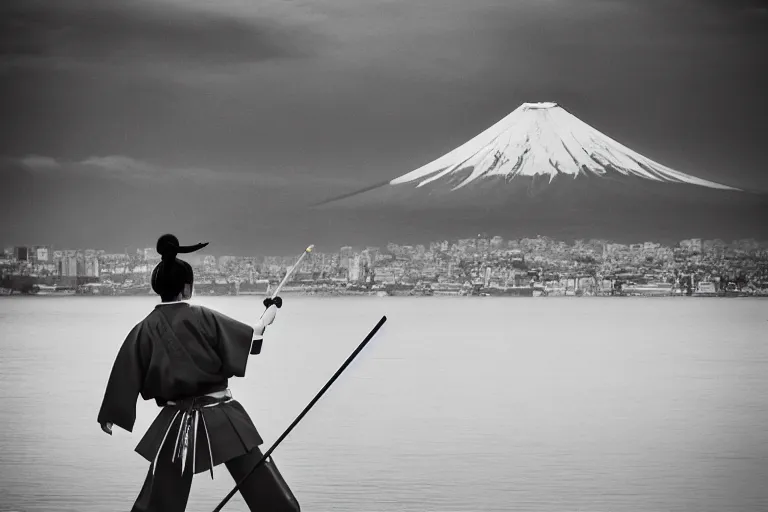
(216, 120)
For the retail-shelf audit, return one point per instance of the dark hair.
(171, 274)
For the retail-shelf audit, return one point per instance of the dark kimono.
(177, 354)
(181, 351)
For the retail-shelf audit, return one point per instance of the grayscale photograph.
(384, 256)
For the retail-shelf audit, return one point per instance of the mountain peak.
(542, 170)
(544, 139)
(539, 106)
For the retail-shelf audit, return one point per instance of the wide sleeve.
(124, 384)
(232, 341)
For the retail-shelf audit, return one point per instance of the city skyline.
(482, 265)
(487, 241)
(204, 118)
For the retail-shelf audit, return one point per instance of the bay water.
(457, 405)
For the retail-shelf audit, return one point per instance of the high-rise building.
(344, 254)
(354, 269)
(80, 264)
(21, 253)
(92, 267)
(369, 256)
(67, 266)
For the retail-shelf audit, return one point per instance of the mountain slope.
(543, 139)
(545, 171)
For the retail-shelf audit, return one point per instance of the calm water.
(547, 404)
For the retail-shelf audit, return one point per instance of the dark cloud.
(125, 169)
(389, 86)
(116, 32)
(111, 202)
(737, 5)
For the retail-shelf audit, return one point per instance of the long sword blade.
(292, 270)
(303, 413)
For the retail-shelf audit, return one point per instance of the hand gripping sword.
(271, 300)
(275, 301)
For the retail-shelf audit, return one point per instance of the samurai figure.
(182, 355)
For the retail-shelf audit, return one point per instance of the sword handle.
(274, 299)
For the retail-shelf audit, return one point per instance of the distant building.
(385, 275)
(692, 245)
(748, 245)
(714, 246)
(80, 265)
(355, 268)
(42, 254)
(227, 260)
(209, 263)
(370, 255)
(651, 246)
(149, 254)
(344, 254)
(467, 244)
(92, 267)
(21, 253)
(612, 249)
(67, 266)
(302, 277)
(394, 248)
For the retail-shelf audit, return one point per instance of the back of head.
(171, 274)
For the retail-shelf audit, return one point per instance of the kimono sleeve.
(124, 384)
(232, 341)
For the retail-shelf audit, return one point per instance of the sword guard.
(277, 301)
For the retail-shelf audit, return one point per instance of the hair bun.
(168, 247)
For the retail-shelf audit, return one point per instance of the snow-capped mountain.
(541, 170)
(544, 139)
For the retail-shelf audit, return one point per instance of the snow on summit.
(544, 139)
